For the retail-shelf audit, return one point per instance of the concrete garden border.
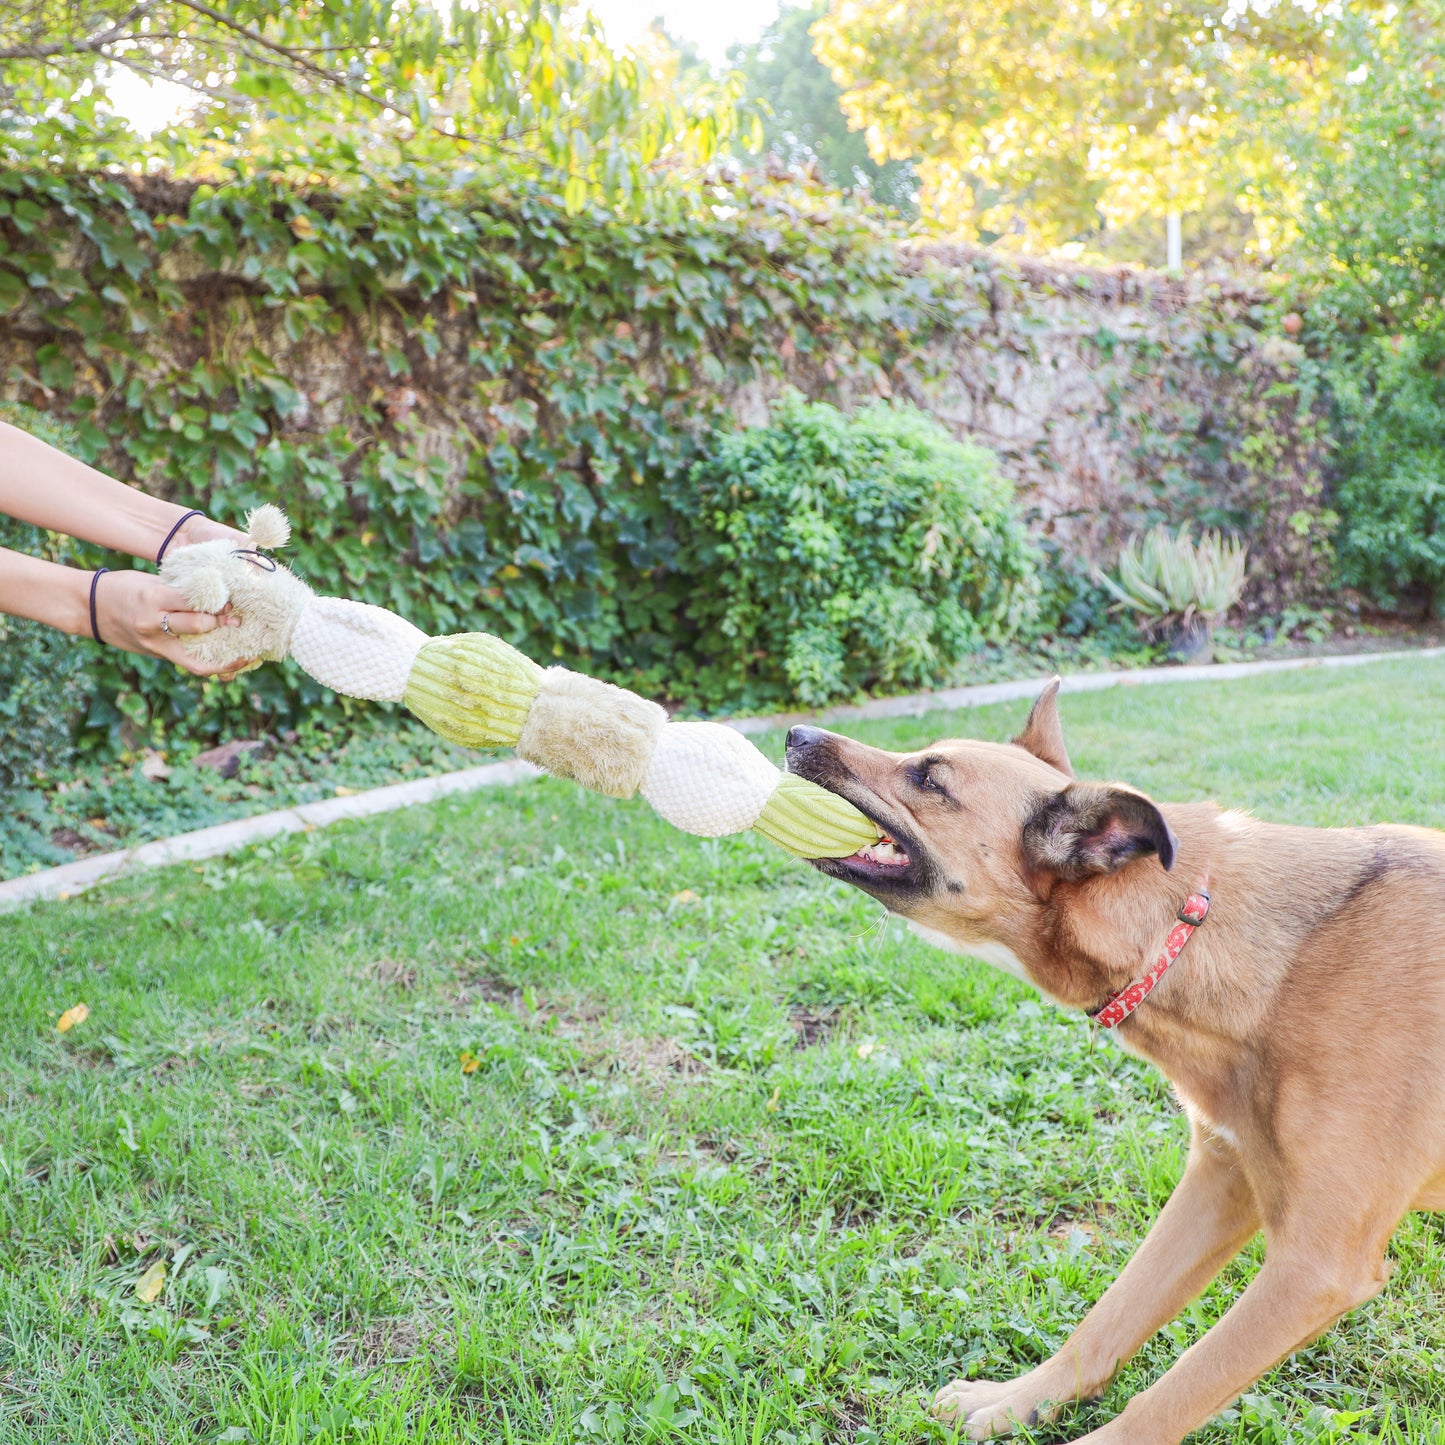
(73, 878)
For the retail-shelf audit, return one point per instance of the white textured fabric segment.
(355, 648)
(707, 779)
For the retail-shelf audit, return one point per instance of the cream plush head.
(267, 597)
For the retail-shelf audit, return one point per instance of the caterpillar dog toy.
(475, 689)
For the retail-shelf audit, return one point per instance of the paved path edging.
(72, 878)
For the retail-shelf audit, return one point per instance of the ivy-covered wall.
(482, 412)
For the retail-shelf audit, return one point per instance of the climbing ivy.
(480, 405)
(166, 325)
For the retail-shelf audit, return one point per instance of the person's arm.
(49, 489)
(132, 609)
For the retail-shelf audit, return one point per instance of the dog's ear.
(1095, 828)
(1043, 734)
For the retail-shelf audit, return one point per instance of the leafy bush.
(837, 553)
(1391, 493)
(1371, 188)
(44, 675)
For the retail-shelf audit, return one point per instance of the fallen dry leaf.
(686, 896)
(470, 1062)
(153, 766)
(345, 792)
(71, 1017)
(150, 1284)
(773, 1102)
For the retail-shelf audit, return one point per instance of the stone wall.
(1113, 398)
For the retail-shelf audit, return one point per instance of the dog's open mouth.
(892, 863)
(886, 855)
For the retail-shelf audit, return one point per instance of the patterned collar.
(1115, 1009)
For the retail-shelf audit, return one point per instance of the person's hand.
(203, 529)
(130, 607)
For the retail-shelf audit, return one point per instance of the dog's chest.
(989, 950)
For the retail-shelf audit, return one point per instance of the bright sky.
(145, 105)
(712, 25)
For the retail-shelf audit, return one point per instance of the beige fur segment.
(599, 735)
(267, 526)
(266, 596)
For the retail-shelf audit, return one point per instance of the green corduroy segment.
(473, 689)
(811, 822)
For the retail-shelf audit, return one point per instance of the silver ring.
(166, 624)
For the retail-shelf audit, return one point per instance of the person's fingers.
(191, 624)
(203, 529)
(174, 652)
(165, 598)
(222, 671)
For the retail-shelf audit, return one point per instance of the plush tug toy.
(479, 691)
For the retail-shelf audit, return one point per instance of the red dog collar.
(1115, 1010)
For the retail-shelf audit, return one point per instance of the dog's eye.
(921, 776)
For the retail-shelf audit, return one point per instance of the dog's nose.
(804, 737)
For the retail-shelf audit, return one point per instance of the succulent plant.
(1169, 578)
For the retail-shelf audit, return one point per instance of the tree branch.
(91, 45)
(292, 55)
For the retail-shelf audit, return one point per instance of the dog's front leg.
(1312, 1275)
(1209, 1218)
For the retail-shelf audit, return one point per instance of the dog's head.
(975, 832)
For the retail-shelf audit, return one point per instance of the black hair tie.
(256, 558)
(94, 628)
(171, 535)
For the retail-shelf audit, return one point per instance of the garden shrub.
(1368, 275)
(1391, 492)
(834, 554)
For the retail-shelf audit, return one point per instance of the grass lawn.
(525, 1118)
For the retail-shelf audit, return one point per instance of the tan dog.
(1303, 1027)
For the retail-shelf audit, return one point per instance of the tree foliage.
(1041, 123)
(1369, 274)
(324, 86)
(1368, 188)
(804, 123)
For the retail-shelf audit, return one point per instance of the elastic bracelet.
(94, 628)
(171, 535)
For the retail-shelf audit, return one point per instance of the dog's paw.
(988, 1409)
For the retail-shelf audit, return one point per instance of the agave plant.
(1174, 582)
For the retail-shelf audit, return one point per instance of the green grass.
(94, 807)
(739, 1160)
